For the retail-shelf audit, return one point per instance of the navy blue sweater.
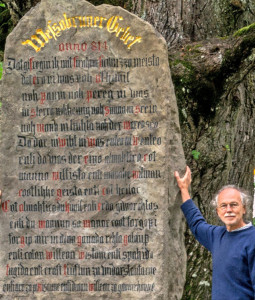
(233, 255)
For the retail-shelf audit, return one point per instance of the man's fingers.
(176, 174)
(188, 174)
(188, 171)
(185, 178)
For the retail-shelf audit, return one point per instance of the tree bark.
(215, 86)
(182, 20)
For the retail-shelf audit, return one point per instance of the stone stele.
(90, 141)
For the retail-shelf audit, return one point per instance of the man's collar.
(242, 228)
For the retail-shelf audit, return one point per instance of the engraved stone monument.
(90, 141)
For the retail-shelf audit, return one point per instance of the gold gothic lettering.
(55, 29)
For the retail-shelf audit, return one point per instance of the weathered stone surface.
(90, 140)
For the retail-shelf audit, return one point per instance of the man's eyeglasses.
(232, 205)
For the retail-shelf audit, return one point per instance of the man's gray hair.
(245, 197)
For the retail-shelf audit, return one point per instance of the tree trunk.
(215, 86)
(182, 20)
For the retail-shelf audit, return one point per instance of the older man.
(232, 246)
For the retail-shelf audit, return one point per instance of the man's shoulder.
(247, 233)
(246, 239)
(250, 231)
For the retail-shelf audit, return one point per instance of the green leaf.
(227, 147)
(195, 154)
(2, 5)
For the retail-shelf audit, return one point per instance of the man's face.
(230, 209)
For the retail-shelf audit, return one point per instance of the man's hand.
(184, 183)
